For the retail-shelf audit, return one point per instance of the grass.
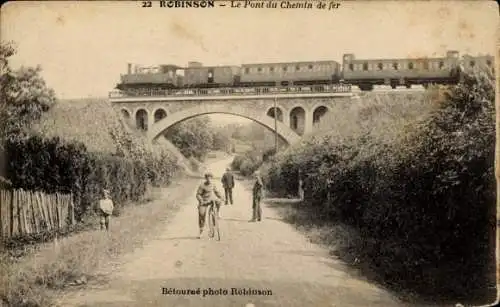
(84, 120)
(38, 278)
(347, 244)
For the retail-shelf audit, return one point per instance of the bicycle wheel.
(211, 220)
(216, 227)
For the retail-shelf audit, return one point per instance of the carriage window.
(426, 65)
(395, 65)
(488, 62)
(271, 69)
(297, 68)
(247, 70)
(441, 65)
(351, 67)
(472, 63)
(380, 66)
(365, 66)
(410, 65)
(259, 69)
(284, 68)
(310, 67)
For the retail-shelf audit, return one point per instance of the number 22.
(146, 4)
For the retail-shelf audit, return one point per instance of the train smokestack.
(129, 68)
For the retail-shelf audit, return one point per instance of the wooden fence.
(26, 212)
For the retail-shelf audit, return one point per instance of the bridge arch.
(298, 119)
(279, 113)
(318, 112)
(256, 115)
(159, 114)
(141, 119)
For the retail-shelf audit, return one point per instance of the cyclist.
(206, 194)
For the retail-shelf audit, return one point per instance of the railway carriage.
(211, 76)
(482, 62)
(292, 73)
(366, 73)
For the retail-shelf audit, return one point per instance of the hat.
(209, 175)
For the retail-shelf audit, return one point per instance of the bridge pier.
(286, 120)
(151, 120)
(308, 122)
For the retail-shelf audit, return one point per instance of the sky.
(83, 47)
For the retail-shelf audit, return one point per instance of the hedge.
(51, 165)
(423, 200)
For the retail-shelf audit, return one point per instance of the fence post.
(72, 210)
(1, 213)
(11, 213)
(301, 187)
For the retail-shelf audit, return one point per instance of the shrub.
(51, 165)
(420, 190)
(268, 154)
(246, 164)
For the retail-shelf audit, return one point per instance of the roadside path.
(269, 255)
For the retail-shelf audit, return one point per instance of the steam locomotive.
(364, 73)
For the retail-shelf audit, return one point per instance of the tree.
(24, 96)
(193, 137)
(221, 140)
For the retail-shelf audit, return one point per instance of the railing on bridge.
(331, 88)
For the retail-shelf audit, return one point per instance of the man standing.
(257, 197)
(228, 184)
(206, 194)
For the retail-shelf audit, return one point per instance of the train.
(364, 73)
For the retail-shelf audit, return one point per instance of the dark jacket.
(257, 188)
(227, 180)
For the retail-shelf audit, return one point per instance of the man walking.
(228, 184)
(257, 197)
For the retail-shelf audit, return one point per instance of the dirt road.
(264, 264)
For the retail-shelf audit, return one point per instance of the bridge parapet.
(235, 92)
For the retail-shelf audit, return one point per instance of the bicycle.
(213, 222)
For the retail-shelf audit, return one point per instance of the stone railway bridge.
(297, 113)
